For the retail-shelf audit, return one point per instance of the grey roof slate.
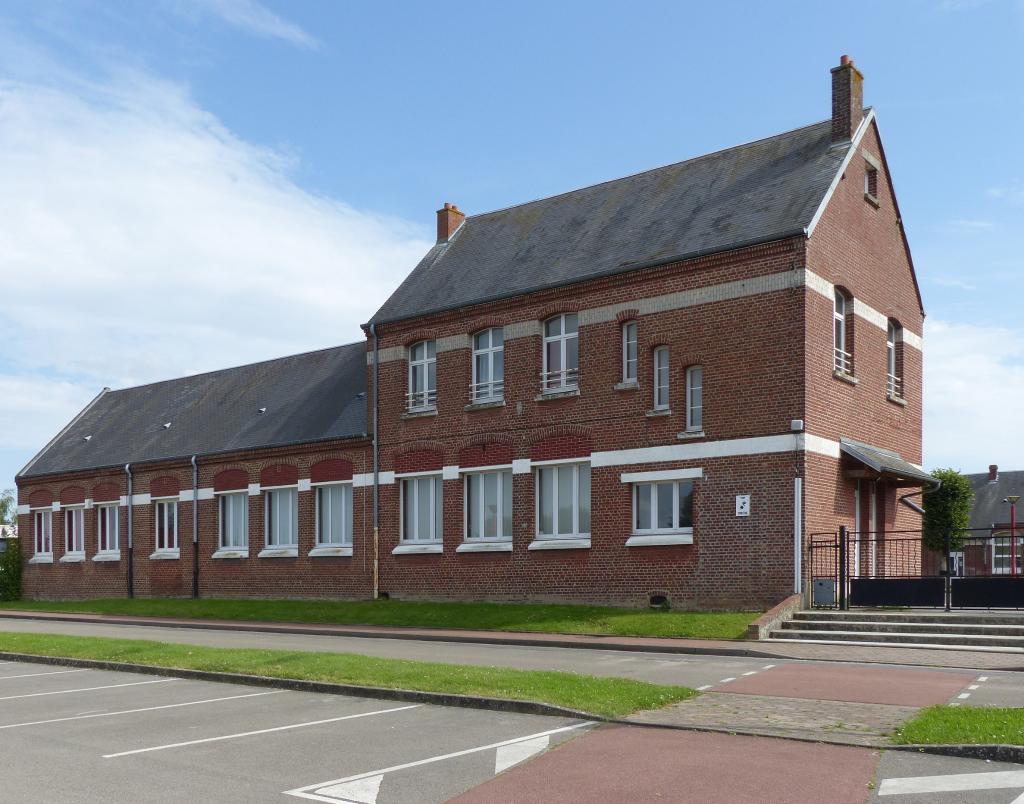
(309, 397)
(751, 193)
(883, 461)
(989, 508)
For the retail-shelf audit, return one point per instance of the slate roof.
(884, 461)
(989, 508)
(308, 397)
(761, 191)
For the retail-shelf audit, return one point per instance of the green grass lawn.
(484, 616)
(611, 697)
(963, 724)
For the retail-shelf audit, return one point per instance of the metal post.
(949, 569)
(1013, 537)
(842, 568)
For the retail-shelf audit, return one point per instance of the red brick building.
(658, 386)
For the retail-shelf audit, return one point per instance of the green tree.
(947, 509)
(8, 507)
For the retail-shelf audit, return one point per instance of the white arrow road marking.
(361, 791)
(509, 755)
(317, 792)
(951, 783)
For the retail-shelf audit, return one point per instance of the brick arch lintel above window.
(556, 310)
(72, 495)
(330, 470)
(419, 460)
(40, 499)
(166, 486)
(231, 480)
(566, 442)
(106, 492)
(280, 474)
(625, 316)
(491, 453)
(418, 337)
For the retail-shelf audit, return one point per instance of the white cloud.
(974, 396)
(140, 240)
(1014, 194)
(251, 17)
(947, 282)
(971, 225)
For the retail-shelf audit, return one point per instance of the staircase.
(983, 630)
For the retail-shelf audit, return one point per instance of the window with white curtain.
(695, 399)
(664, 507)
(166, 525)
(661, 378)
(488, 365)
(421, 509)
(561, 353)
(422, 375)
(334, 515)
(43, 532)
(629, 351)
(234, 520)
(489, 506)
(563, 500)
(106, 529)
(74, 532)
(282, 517)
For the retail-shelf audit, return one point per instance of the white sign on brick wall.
(742, 505)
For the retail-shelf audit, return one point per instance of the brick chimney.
(847, 100)
(993, 473)
(448, 220)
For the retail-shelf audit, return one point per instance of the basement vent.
(658, 601)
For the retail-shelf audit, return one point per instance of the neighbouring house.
(7, 533)
(660, 386)
(990, 517)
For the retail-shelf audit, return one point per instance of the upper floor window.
(894, 359)
(661, 378)
(561, 353)
(43, 532)
(695, 399)
(843, 357)
(334, 515)
(422, 375)
(74, 532)
(871, 181)
(282, 517)
(106, 530)
(629, 351)
(488, 365)
(489, 505)
(563, 501)
(422, 509)
(234, 520)
(166, 525)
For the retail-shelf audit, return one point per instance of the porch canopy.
(875, 463)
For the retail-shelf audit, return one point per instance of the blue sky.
(190, 184)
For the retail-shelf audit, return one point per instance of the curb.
(331, 688)
(996, 752)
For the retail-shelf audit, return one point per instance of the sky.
(187, 185)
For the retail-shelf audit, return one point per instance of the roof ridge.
(647, 170)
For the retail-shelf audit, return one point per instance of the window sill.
(423, 547)
(325, 551)
(164, 555)
(653, 414)
(557, 393)
(41, 560)
(896, 400)
(485, 404)
(559, 544)
(419, 413)
(107, 556)
(278, 552)
(72, 558)
(842, 375)
(873, 200)
(230, 552)
(484, 547)
(658, 539)
(631, 385)
(689, 434)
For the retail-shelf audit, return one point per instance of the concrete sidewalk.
(736, 648)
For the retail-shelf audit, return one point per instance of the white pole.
(798, 527)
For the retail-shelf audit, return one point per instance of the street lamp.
(1012, 500)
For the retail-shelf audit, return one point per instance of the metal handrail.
(487, 391)
(560, 379)
(421, 400)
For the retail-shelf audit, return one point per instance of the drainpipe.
(913, 506)
(376, 466)
(131, 556)
(195, 528)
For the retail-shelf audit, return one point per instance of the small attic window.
(871, 182)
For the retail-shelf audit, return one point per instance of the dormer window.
(561, 353)
(422, 376)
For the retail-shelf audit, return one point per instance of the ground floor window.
(421, 509)
(106, 529)
(74, 531)
(489, 506)
(234, 520)
(166, 525)
(334, 515)
(43, 532)
(1001, 550)
(665, 507)
(282, 517)
(563, 500)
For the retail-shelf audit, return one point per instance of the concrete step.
(1007, 618)
(886, 627)
(931, 638)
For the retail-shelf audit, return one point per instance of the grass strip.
(963, 724)
(611, 697)
(531, 617)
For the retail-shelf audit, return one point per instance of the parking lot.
(77, 735)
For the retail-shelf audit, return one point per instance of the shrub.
(10, 571)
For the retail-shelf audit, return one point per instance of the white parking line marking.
(705, 687)
(750, 673)
(48, 673)
(768, 667)
(964, 695)
(727, 680)
(88, 715)
(87, 689)
(311, 791)
(973, 686)
(982, 678)
(361, 791)
(953, 782)
(259, 731)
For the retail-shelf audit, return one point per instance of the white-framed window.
(334, 515)
(663, 507)
(42, 522)
(166, 525)
(894, 383)
(421, 509)
(695, 399)
(488, 365)
(422, 375)
(843, 361)
(629, 351)
(74, 531)
(107, 541)
(561, 353)
(281, 517)
(234, 519)
(488, 506)
(563, 500)
(1001, 553)
(661, 378)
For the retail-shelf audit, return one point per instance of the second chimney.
(993, 473)
(847, 100)
(448, 220)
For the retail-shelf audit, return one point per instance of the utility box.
(824, 592)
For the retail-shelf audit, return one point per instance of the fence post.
(842, 568)
(948, 545)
